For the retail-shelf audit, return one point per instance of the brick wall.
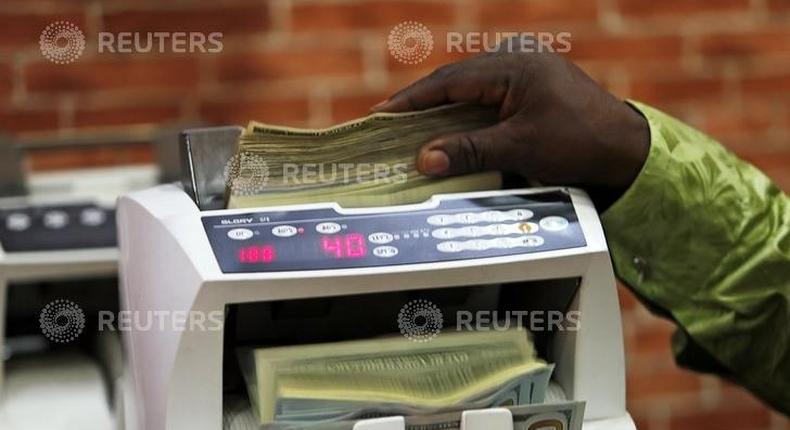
(722, 65)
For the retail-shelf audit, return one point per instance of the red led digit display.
(257, 254)
(350, 245)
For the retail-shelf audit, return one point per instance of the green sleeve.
(704, 238)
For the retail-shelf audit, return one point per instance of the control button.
(284, 230)
(554, 223)
(468, 218)
(441, 219)
(476, 245)
(474, 231)
(380, 237)
(443, 233)
(498, 229)
(240, 233)
(56, 219)
(92, 217)
(449, 247)
(530, 241)
(327, 227)
(492, 216)
(385, 251)
(528, 227)
(519, 214)
(17, 222)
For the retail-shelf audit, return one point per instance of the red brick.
(627, 299)
(775, 165)
(438, 57)
(290, 64)
(663, 383)
(72, 158)
(767, 85)
(371, 14)
(277, 111)
(723, 120)
(227, 20)
(779, 5)
(519, 15)
(745, 44)
(755, 143)
(98, 117)
(642, 423)
(132, 72)
(24, 29)
(625, 48)
(690, 89)
(723, 419)
(735, 395)
(654, 338)
(642, 8)
(22, 120)
(348, 108)
(6, 80)
(648, 69)
(646, 363)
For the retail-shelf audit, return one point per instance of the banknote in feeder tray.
(366, 162)
(384, 376)
(559, 415)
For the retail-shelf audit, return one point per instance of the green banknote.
(560, 415)
(367, 162)
(333, 381)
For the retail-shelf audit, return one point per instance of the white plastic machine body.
(62, 231)
(175, 257)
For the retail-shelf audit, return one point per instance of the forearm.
(705, 237)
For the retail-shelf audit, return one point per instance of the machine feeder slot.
(543, 308)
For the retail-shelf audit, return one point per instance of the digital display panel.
(456, 229)
(257, 254)
(342, 246)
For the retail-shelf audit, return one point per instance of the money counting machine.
(58, 259)
(320, 272)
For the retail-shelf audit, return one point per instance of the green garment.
(704, 238)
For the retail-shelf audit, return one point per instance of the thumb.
(475, 151)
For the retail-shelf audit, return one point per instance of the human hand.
(557, 126)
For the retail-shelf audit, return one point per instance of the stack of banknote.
(367, 162)
(547, 416)
(339, 381)
(555, 415)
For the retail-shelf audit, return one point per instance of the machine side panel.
(157, 277)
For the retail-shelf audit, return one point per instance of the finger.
(467, 81)
(477, 151)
